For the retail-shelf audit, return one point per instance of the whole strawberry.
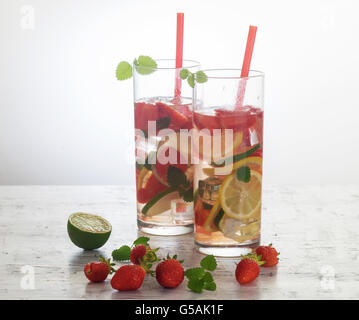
(169, 273)
(247, 269)
(99, 270)
(268, 254)
(137, 253)
(128, 277)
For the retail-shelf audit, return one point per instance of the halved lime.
(88, 231)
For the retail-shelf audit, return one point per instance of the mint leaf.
(196, 285)
(123, 71)
(190, 80)
(207, 277)
(209, 263)
(175, 176)
(201, 77)
(139, 166)
(141, 240)
(211, 286)
(184, 73)
(188, 195)
(194, 273)
(121, 254)
(243, 174)
(163, 123)
(207, 206)
(145, 65)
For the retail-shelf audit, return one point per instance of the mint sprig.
(200, 278)
(143, 64)
(192, 78)
(243, 174)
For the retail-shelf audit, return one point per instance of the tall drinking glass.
(228, 140)
(164, 174)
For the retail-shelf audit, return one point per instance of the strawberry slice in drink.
(240, 119)
(174, 159)
(201, 214)
(178, 119)
(205, 121)
(145, 112)
(151, 188)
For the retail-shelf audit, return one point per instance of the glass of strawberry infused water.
(164, 174)
(228, 144)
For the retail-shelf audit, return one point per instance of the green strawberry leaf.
(209, 263)
(243, 174)
(121, 254)
(123, 71)
(145, 65)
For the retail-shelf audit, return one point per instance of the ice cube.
(182, 211)
(208, 189)
(239, 231)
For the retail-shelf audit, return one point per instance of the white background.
(65, 119)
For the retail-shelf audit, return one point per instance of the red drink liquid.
(227, 204)
(164, 174)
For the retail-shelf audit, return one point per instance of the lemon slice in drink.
(241, 200)
(209, 222)
(88, 231)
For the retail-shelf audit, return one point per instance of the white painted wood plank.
(314, 227)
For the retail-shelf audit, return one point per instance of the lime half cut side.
(88, 231)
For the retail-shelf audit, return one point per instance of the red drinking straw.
(179, 52)
(246, 65)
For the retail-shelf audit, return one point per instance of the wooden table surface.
(315, 229)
